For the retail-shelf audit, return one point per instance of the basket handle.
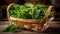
(46, 15)
(8, 10)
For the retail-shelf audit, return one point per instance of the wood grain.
(53, 29)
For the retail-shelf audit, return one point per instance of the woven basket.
(31, 24)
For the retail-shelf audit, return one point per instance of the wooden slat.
(0, 13)
(57, 19)
(54, 28)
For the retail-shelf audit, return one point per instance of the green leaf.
(28, 4)
(51, 15)
(11, 28)
(16, 6)
(36, 14)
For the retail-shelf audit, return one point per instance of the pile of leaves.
(29, 11)
(11, 28)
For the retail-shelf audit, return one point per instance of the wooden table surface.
(53, 29)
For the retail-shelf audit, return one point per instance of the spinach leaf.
(28, 4)
(11, 28)
(16, 6)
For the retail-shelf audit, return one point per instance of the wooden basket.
(31, 24)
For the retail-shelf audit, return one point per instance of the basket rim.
(28, 20)
(24, 18)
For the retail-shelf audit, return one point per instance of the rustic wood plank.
(0, 14)
(53, 29)
(57, 19)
